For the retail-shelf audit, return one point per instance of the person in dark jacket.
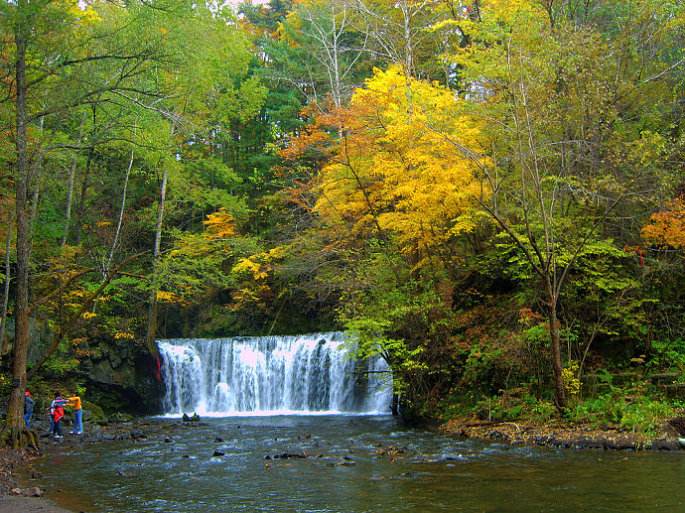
(28, 408)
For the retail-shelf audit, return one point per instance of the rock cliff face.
(119, 376)
(122, 378)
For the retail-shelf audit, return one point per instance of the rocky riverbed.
(133, 459)
(346, 464)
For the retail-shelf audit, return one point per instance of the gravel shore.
(10, 504)
(18, 499)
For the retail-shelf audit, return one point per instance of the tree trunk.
(70, 196)
(395, 405)
(15, 433)
(36, 198)
(153, 310)
(70, 188)
(80, 211)
(4, 343)
(555, 336)
(120, 222)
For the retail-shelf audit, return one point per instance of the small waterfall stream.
(271, 375)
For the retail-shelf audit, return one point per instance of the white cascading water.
(271, 375)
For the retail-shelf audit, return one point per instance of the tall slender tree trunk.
(555, 336)
(4, 343)
(120, 221)
(35, 199)
(15, 431)
(153, 310)
(408, 54)
(81, 209)
(70, 199)
(70, 188)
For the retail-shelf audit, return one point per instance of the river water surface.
(354, 464)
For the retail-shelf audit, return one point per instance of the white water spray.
(271, 375)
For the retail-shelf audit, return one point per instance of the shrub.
(641, 415)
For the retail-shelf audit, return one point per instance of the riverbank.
(15, 498)
(9, 504)
(23, 490)
(561, 435)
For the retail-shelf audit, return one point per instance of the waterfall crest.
(271, 375)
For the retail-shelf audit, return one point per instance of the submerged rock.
(346, 463)
(288, 456)
(137, 434)
(33, 491)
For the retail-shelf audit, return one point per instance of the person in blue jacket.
(29, 403)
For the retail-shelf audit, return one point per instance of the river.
(354, 464)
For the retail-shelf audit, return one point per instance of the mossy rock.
(120, 417)
(93, 413)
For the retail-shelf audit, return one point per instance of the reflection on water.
(355, 465)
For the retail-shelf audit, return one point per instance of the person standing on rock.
(57, 414)
(28, 408)
(75, 403)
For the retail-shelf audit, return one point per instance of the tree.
(556, 95)
(392, 173)
(325, 30)
(45, 64)
(667, 228)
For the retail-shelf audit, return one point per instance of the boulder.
(665, 445)
(137, 434)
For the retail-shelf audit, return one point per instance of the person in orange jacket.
(74, 402)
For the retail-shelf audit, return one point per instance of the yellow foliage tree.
(395, 172)
(219, 225)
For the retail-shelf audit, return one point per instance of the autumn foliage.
(667, 228)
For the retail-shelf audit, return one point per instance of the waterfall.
(271, 375)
